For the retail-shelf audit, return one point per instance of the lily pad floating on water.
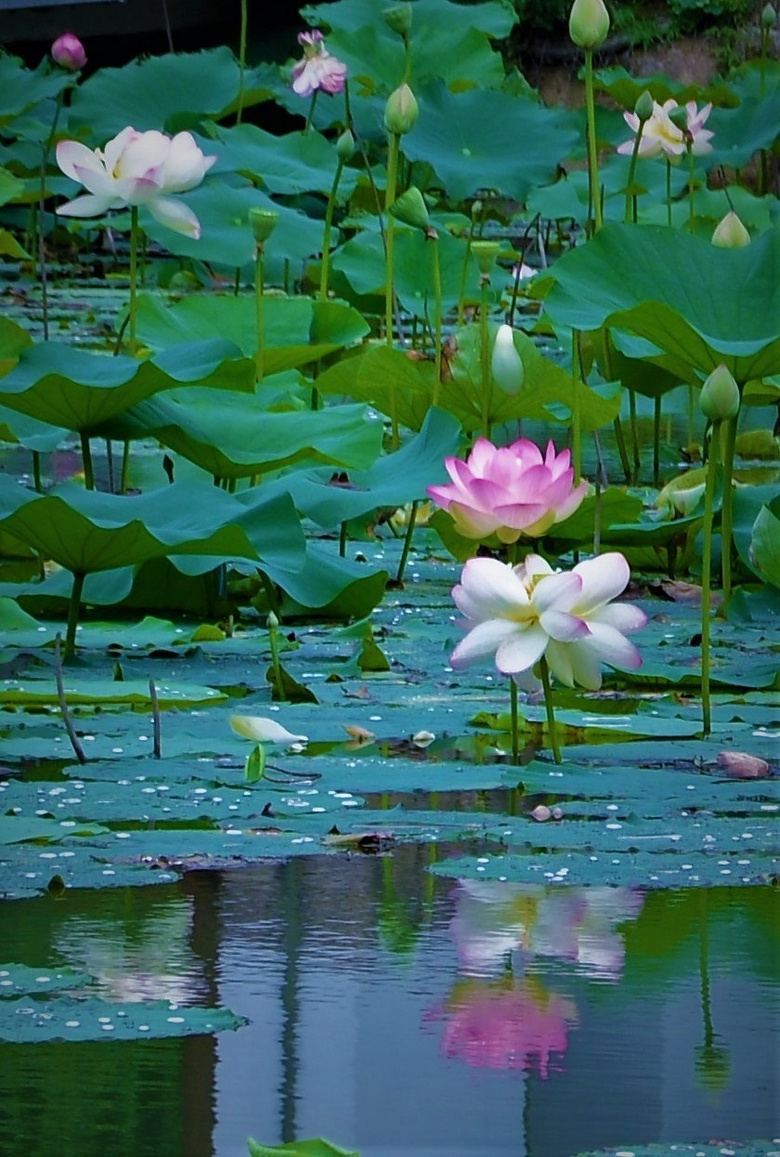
(26, 1021)
(699, 1149)
(21, 979)
(315, 1147)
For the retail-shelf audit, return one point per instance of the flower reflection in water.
(502, 1024)
(499, 1015)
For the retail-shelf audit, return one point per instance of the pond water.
(405, 1015)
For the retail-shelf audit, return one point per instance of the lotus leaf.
(298, 162)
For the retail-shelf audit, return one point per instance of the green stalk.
(73, 615)
(241, 61)
(273, 628)
(691, 194)
(668, 191)
(259, 312)
(42, 217)
(134, 233)
(706, 572)
(399, 578)
(394, 145)
(325, 267)
(437, 320)
(727, 509)
(593, 158)
(552, 727)
(576, 415)
(310, 117)
(620, 441)
(514, 718)
(635, 451)
(629, 215)
(86, 458)
(657, 441)
(36, 465)
(484, 356)
(463, 277)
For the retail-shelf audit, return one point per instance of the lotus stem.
(576, 414)
(657, 441)
(134, 232)
(73, 614)
(36, 466)
(691, 191)
(156, 722)
(343, 540)
(75, 742)
(86, 458)
(41, 217)
(593, 156)
(242, 61)
(629, 216)
(484, 355)
(727, 509)
(325, 267)
(259, 311)
(514, 713)
(620, 441)
(273, 641)
(392, 177)
(668, 192)
(437, 320)
(636, 454)
(464, 275)
(399, 578)
(310, 115)
(552, 727)
(706, 573)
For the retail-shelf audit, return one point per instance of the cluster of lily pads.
(432, 276)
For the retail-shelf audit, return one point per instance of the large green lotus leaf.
(80, 390)
(385, 378)
(625, 89)
(159, 92)
(448, 41)
(78, 1019)
(22, 88)
(681, 1149)
(29, 432)
(765, 543)
(233, 436)
(21, 979)
(297, 162)
(334, 587)
(86, 531)
(298, 330)
(312, 1147)
(740, 132)
(92, 692)
(392, 481)
(227, 240)
(749, 501)
(13, 339)
(10, 187)
(699, 304)
(363, 263)
(465, 138)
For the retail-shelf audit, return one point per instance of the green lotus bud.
(262, 223)
(769, 17)
(399, 18)
(588, 23)
(644, 107)
(272, 622)
(485, 254)
(401, 111)
(730, 233)
(345, 147)
(719, 398)
(679, 117)
(410, 208)
(506, 364)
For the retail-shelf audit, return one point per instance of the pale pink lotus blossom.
(662, 137)
(136, 169)
(68, 52)
(518, 614)
(509, 491)
(504, 1025)
(318, 69)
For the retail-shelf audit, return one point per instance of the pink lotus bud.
(68, 52)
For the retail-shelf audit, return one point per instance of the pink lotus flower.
(518, 614)
(318, 69)
(68, 51)
(501, 1025)
(509, 491)
(136, 169)
(661, 136)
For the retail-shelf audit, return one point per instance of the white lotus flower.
(519, 614)
(136, 169)
(264, 730)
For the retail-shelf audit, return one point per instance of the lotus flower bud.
(769, 17)
(68, 52)
(588, 23)
(644, 107)
(272, 622)
(679, 117)
(401, 111)
(506, 364)
(345, 147)
(476, 209)
(399, 18)
(719, 398)
(485, 254)
(262, 222)
(410, 208)
(730, 233)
